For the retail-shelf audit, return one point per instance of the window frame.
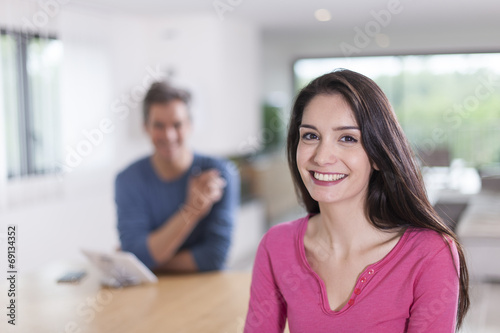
(26, 135)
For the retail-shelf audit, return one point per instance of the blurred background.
(73, 75)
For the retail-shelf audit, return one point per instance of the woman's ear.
(374, 166)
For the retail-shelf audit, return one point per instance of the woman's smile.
(327, 179)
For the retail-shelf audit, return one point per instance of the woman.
(372, 255)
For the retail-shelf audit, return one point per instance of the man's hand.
(204, 191)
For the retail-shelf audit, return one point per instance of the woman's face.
(330, 157)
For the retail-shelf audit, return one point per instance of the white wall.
(219, 62)
(110, 59)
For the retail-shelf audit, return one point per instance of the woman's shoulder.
(428, 242)
(289, 227)
(284, 232)
(428, 237)
(279, 243)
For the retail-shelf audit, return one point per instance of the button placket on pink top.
(370, 272)
(360, 285)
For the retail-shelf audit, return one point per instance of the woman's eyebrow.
(339, 128)
(308, 126)
(343, 128)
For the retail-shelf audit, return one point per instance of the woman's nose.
(325, 154)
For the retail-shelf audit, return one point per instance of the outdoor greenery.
(457, 111)
(273, 128)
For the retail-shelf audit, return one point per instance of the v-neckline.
(363, 279)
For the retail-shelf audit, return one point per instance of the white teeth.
(328, 177)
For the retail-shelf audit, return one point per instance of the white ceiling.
(298, 15)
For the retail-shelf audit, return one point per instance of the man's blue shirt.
(144, 202)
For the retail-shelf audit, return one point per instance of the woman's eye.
(348, 138)
(309, 136)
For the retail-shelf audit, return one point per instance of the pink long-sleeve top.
(414, 288)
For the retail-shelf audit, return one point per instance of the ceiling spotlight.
(323, 15)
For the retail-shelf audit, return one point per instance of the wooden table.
(207, 302)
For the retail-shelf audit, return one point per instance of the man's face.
(169, 128)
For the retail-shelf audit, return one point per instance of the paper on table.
(121, 268)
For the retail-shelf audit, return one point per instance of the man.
(175, 208)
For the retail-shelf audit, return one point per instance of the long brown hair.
(396, 194)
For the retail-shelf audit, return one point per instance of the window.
(29, 104)
(447, 102)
